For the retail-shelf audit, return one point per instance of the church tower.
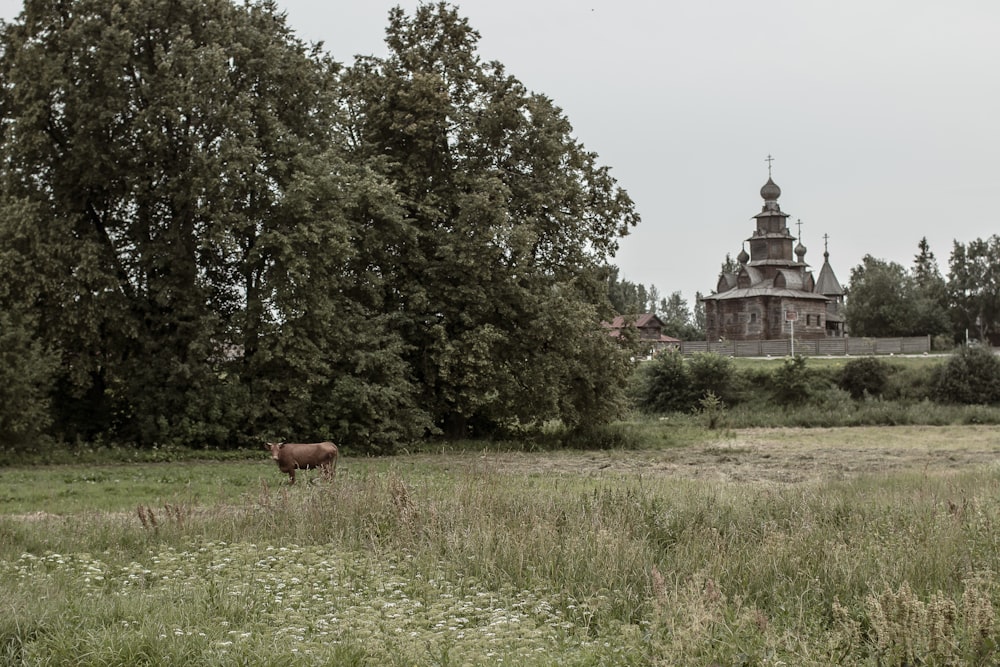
(828, 285)
(773, 286)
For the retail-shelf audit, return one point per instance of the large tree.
(678, 319)
(181, 227)
(499, 269)
(221, 234)
(880, 300)
(627, 298)
(930, 291)
(974, 288)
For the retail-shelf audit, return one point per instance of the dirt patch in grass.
(787, 455)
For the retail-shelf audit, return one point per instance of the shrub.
(971, 376)
(667, 384)
(791, 382)
(942, 343)
(864, 376)
(750, 382)
(712, 409)
(712, 373)
(910, 383)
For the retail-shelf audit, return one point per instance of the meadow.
(859, 546)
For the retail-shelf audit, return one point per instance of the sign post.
(790, 317)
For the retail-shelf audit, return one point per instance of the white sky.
(883, 116)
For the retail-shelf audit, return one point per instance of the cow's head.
(274, 448)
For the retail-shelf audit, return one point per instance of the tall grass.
(391, 564)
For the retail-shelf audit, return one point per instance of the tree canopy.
(876, 305)
(974, 288)
(215, 233)
(886, 299)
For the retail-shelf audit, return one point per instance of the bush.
(712, 373)
(943, 343)
(910, 384)
(667, 384)
(865, 376)
(971, 377)
(791, 382)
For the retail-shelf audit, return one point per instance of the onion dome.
(743, 257)
(770, 191)
(800, 251)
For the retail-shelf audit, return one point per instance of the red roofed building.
(650, 328)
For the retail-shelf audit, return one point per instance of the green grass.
(459, 558)
(67, 489)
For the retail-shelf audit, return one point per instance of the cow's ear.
(280, 445)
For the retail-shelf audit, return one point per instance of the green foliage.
(974, 289)
(667, 386)
(911, 384)
(672, 382)
(626, 297)
(499, 266)
(866, 376)
(971, 376)
(791, 382)
(223, 235)
(880, 300)
(152, 175)
(27, 369)
(712, 410)
(817, 392)
(943, 343)
(712, 373)
(930, 292)
(884, 299)
(679, 321)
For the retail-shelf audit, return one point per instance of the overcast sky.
(883, 116)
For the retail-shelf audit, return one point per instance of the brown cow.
(293, 456)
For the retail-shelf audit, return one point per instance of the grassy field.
(862, 546)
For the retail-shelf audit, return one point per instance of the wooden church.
(773, 292)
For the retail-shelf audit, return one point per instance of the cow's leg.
(291, 476)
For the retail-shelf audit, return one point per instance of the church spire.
(770, 192)
(827, 283)
(800, 250)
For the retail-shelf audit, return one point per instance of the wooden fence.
(830, 347)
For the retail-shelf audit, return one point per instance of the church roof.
(770, 191)
(827, 282)
(763, 290)
(790, 279)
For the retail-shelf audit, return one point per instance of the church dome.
(743, 257)
(800, 251)
(770, 191)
